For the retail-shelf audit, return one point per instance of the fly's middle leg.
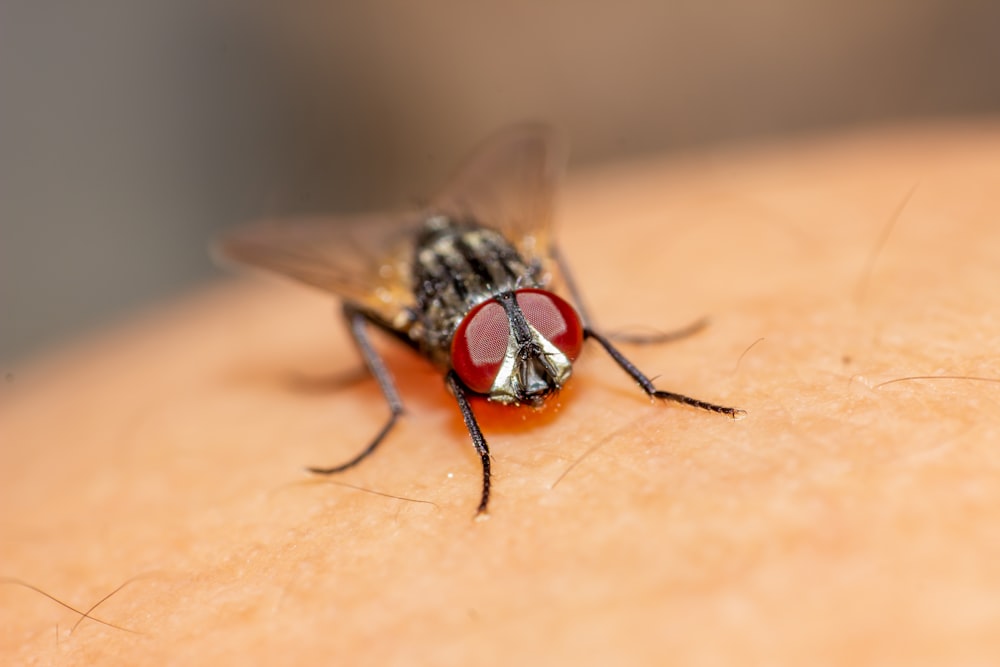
(358, 323)
(635, 339)
(661, 337)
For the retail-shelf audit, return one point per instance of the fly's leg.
(478, 441)
(358, 323)
(574, 291)
(663, 336)
(627, 365)
(652, 391)
(635, 339)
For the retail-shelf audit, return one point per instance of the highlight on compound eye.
(479, 346)
(554, 318)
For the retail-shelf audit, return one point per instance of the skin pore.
(849, 519)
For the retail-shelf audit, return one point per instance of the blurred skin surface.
(843, 522)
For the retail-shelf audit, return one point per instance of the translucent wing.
(362, 259)
(509, 183)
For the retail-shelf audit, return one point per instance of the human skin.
(844, 521)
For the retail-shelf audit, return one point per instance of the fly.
(466, 282)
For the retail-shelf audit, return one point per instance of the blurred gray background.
(131, 131)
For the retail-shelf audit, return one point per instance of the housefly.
(466, 282)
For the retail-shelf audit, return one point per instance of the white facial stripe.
(503, 389)
(559, 360)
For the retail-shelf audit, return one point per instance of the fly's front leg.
(648, 387)
(635, 339)
(358, 323)
(478, 441)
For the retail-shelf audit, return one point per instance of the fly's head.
(518, 347)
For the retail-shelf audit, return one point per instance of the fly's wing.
(510, 184)
(362, 259)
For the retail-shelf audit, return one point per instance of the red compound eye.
(479, 346)
(553, 318)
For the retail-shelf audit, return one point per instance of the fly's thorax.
(458, 266)
(518, 347)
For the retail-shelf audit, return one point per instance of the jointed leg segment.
(478, 441)
(358, 323)
(647, 384)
